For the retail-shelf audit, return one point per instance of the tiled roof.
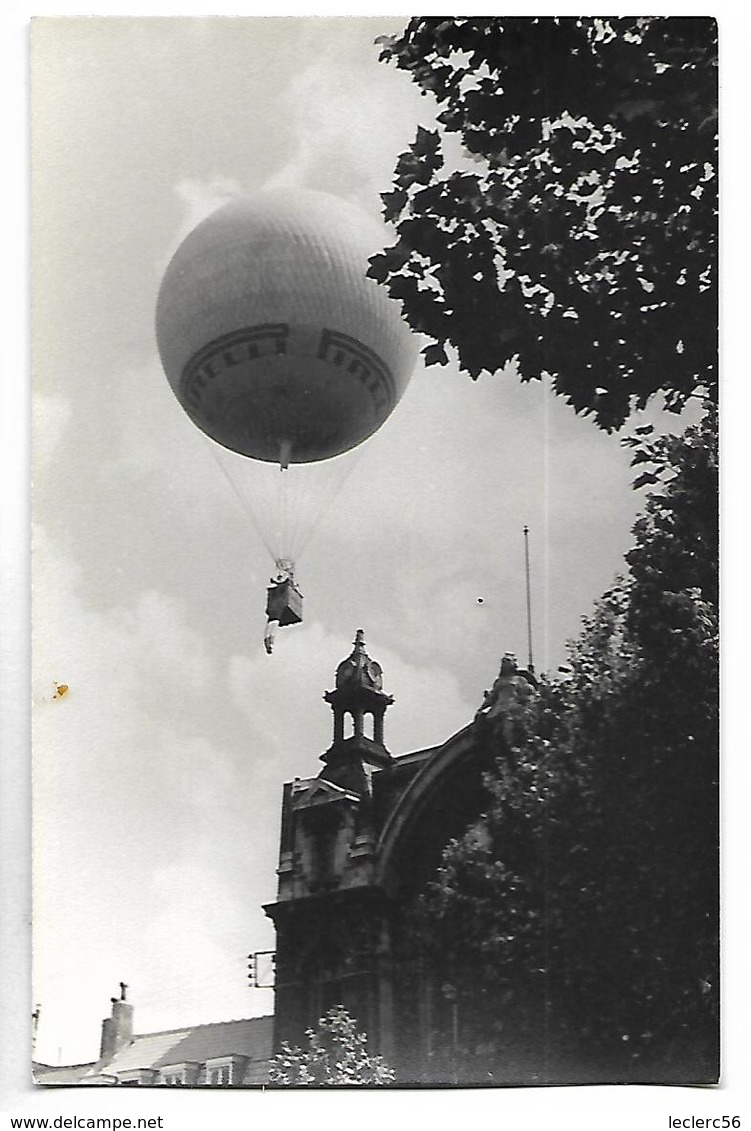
(149, 1051)
(251, 1037)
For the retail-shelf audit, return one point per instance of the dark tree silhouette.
(580, 912)
(578, 235)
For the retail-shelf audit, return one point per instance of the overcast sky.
(158, 776)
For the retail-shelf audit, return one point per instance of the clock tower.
(359, 842)
(359, 704)
(332, 920)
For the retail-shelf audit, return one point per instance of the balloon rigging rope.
(245, 503)
(284, 541)
(300, 508)
(325, 504)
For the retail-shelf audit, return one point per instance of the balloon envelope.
(274, 340)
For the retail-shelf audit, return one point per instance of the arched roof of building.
(444, 796)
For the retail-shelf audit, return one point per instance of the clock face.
(374, 671)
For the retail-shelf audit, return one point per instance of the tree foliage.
(336, 1054)
(578, 235)
(584, 901)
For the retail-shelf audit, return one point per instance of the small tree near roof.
(336, 1054)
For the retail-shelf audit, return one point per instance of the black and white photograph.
(375, 562)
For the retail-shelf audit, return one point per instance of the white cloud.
(132, 779)
(343, 145)
(198, 199)
(428, 706)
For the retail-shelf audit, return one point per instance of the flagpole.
(529, 599)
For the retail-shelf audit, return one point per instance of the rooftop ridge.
(192, 1028)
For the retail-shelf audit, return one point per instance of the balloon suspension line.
(245, 503)
(285, 451)
(285, 549)
(327, 503)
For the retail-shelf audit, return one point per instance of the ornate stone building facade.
(357, 843)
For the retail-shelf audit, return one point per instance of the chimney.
(117, 1029)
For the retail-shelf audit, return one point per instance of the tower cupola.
(359, 704)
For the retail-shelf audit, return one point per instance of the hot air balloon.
(277, 345)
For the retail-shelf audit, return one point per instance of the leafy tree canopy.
(578, 234)
(584, 901)
(336, 1054)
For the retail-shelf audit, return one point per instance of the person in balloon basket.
(284, 603)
